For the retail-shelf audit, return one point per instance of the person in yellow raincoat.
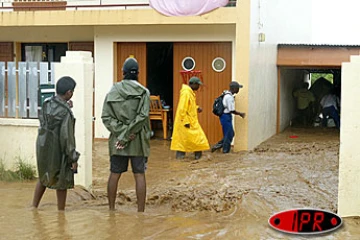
(188, 135)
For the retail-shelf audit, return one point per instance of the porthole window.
(219, 64)
(188, 63)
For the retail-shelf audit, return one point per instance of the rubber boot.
(198, 155)
(180, 155)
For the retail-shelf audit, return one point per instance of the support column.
(349, 161)
(241, 71)
(79, 65)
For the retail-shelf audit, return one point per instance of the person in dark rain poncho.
(55, 145)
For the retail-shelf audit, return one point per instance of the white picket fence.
(21, 87)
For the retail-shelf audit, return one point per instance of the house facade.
(241, 38)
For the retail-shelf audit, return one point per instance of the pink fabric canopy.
(186, 7)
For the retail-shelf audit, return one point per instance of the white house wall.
(336, 22)
(281, 21)
(105, 37)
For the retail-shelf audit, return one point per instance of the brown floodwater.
(217, 197)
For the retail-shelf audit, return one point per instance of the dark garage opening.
(321, 82)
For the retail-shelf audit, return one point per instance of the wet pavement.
(217, 197)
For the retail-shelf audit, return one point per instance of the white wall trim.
(19, 122)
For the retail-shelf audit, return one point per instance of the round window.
(218, 64)
(188, 63)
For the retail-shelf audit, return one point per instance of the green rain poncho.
(125, 112)
(55, 145)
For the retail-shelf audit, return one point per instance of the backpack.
(218, 106)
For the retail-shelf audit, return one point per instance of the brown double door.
(203, 55)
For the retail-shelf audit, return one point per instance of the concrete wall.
(18, 138)
(276, 19)
(47, 34)
(349, 167)
(105, 37)
(79, 65)
(289, 80)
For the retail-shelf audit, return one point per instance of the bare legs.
(112, 189)
(39, 192)
(140, 182)
(61, 199)
(140, 185)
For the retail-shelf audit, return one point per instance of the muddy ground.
(217, 197)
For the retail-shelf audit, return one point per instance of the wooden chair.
(158, 113)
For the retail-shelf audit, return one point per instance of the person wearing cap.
(226, 118)
(126, 115)
(188, 135)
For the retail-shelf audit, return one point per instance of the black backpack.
(218, 106)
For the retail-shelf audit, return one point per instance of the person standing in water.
(55, 146)
(126, 115)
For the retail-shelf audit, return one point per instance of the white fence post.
(79, 66)
(11, 74)
(2, 89)
(349, 164)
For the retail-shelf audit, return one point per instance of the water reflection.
(50, 225)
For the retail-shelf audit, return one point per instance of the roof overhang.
(315, 56)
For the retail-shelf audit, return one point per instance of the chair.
(158, 113)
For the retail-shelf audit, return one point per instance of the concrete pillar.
(241, 70)
(349, 161)
(79, 65)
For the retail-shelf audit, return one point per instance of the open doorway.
(160, 71)
(160, 80)
(321, 81)
(293, 60)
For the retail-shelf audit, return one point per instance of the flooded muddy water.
(217, 197)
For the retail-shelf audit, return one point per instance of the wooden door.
(214, 82)
(138, 50)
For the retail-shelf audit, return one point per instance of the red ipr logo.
(305, 221)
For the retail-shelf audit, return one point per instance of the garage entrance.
(296, 63)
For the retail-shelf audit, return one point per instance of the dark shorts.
(119, 164)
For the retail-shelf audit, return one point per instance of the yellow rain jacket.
(191, 139)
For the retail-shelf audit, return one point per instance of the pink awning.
(186, 7)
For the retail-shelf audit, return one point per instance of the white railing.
(23, 88)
